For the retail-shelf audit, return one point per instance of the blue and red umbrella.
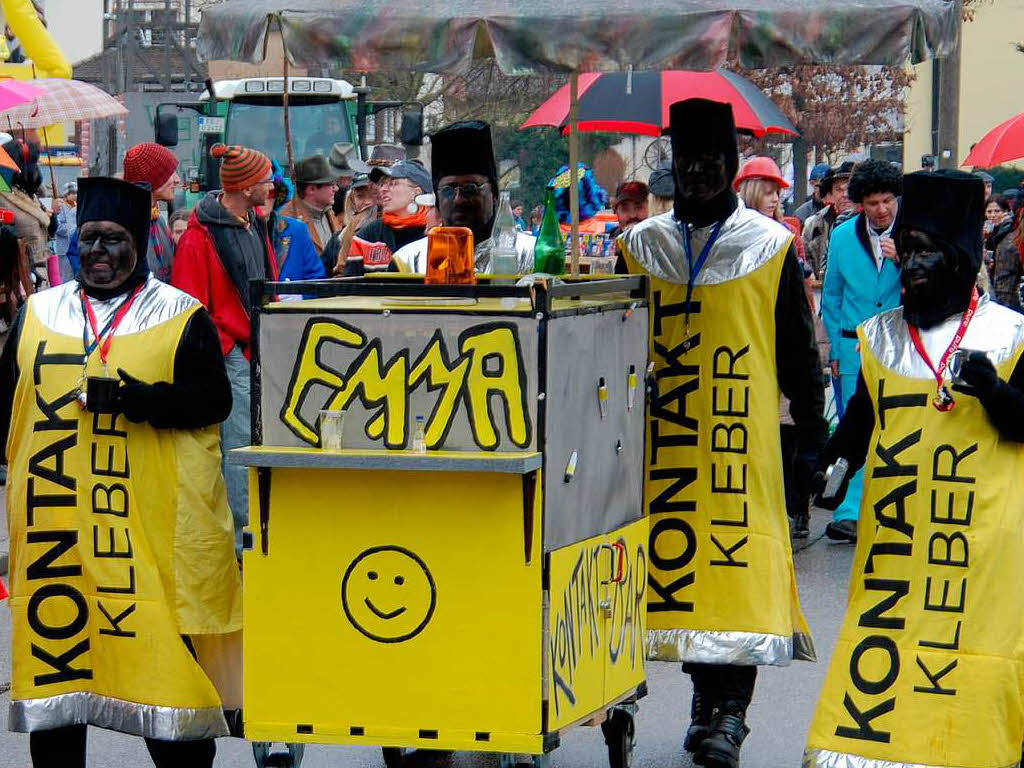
(638, 102)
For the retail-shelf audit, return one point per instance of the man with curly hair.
(861, 280)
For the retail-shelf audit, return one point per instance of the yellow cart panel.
(594, 646)
(372, 618)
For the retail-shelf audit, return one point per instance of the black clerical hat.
(463, 148)
(948, 206)
(101, 198)
(704, 125)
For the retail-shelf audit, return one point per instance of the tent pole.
(49, 158)
(574, 182)
(287, 116)
(49, 154)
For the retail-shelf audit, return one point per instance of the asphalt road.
(779, 716)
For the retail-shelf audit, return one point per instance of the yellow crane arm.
(37, 41)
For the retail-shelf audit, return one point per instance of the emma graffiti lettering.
(483, 377)
(593, 618)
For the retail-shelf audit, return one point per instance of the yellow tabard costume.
(721, 585)
(927, 668)
(121, 539)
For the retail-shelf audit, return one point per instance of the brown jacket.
(297, 209)
(31, 222)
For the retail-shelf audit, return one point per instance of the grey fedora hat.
(314, 170)
(344, 160)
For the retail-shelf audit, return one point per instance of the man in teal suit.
(861, 280)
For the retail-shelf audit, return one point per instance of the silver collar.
(747, 241)
(994, 329)
(60, 308)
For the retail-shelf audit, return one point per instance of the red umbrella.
(1004, 142)
(637, 103)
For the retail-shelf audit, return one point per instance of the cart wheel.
(542, 761)
(394, 757)
(265, 758)
(619, 735)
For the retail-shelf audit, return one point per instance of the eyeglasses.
(468, 190)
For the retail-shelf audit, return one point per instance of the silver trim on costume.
(60, 308)
(748, 240)
(146, 720)
(707, 647)
(824, 758)
(995, 330)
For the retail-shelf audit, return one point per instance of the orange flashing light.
(450, 257)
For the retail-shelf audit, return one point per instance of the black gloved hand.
(979, 376)
(831, 503)
(136, 399)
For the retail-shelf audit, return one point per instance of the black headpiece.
(703, 125)
(463, 148)
(949, 207)
(101, 198)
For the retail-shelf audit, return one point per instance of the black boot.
(700, 720)
(721, 747)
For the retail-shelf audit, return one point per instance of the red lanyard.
(943, 401)
(108, 330)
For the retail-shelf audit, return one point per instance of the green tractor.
(250, 112)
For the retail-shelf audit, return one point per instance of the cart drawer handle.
(617, 551)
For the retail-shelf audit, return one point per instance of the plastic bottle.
(419, 437)
(549, 252)
(504, 256)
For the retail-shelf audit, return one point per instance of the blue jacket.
(72, 253)
(297, 258)
(854, 290)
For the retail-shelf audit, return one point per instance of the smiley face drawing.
(388, 594)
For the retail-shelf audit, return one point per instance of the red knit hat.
(151, 163)
(240, 167)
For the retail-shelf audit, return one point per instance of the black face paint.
(700, 177)
(107, 254)
(934, 285)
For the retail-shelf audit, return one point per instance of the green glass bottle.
(549, 251)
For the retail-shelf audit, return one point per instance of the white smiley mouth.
(382, 614)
